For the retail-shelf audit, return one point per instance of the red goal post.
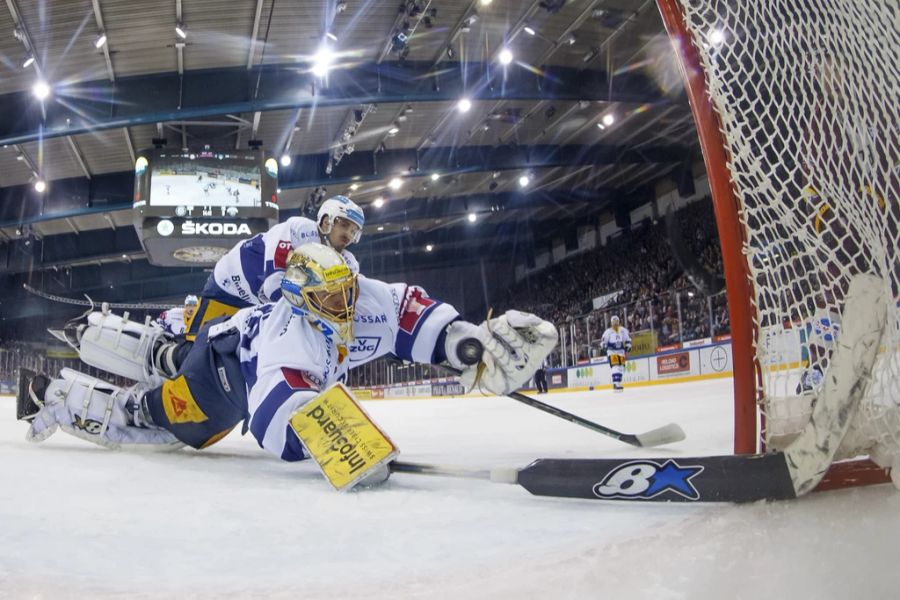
(690, 25)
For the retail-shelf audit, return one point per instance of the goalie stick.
(469, 352)
(798, 469)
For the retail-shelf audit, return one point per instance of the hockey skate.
(30, 394)
(617, 388)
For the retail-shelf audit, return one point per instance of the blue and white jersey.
(172, 321)
(252, 269)
(286, 360)
(616, 340)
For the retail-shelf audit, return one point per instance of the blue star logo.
(673, 477)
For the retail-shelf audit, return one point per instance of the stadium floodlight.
(396, 183)
(505, 56)
(41, 90)
(435, 176)
(322, 61)
(601, 125)
(380, 228)
(530, 30)
(464, 105)
(486, 2)
(40, 186)
(28, 61)
(331, 36)
(472, 217)
(354, 186)
(100, 41)
(181, 30)
(378, 202)
(285, 160)
(609, 119)
(429, 247)
(524, 180)
(394, 130)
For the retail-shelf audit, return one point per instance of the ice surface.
(230, 522)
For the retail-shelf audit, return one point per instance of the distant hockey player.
(617, 343)
(251, 271)
(172, 321)
(265, 363)
(168, 190)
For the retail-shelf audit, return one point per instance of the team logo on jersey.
(646, 479)
(415, 307)
(281, 254)
(364, 347)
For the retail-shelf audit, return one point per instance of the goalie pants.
(208, 396)
(214, 303)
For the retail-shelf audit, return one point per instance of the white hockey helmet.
(344, 207)
(321, 287)
(614, 320)
(191, 300)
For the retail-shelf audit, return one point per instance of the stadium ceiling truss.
(387, 111)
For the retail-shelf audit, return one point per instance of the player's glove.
(627, 346)
(515, 345)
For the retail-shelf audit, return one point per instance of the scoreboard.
(190, 207)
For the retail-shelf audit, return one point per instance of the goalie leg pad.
(123, 347)
(98, 412)
(342, 439)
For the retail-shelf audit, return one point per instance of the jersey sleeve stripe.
(266, 410)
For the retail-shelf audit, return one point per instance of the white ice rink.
(78, 521)
(176, 190)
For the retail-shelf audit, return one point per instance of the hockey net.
(798, 112)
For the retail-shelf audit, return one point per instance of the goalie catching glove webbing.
(515, 346)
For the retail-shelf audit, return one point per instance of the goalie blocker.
(343, 440)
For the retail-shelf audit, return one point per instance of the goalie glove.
(515, 346)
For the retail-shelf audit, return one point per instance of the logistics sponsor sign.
(678, 363)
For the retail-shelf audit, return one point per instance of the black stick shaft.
(547, 408)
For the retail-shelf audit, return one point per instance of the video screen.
(206, 179)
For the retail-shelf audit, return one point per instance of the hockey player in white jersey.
(173, 320)
(251, 271)
(617, 342)
(266, 362)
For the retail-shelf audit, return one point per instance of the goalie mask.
(320, 286)
(345, 208)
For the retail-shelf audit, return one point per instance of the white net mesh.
(807, 93)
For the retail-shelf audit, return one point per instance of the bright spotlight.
(464, 105)
(378, 202)
(429, 247)
(530, 30)
(716, 37)
(41, 90)
(524, 180)
(380, 228)
(505, 56)
(100, 41)
(40, 186)
(609, 119)
(181, 31)
(472, 217)
(354, 186)
(486, 2)
(601, 125)
(435, 176)
(29, 60)
(285, 160)
(394, 130)
(322, 61)
(331, 36)
(396, 183)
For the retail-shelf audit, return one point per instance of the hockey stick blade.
(738, 478)
(667, 434)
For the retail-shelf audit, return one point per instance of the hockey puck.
(469, 351)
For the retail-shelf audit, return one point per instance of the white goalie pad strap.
(118, 345)
(94, 410)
